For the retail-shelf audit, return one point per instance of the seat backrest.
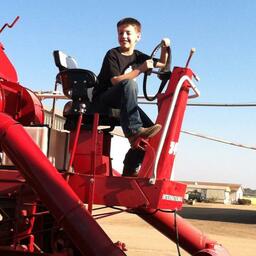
(76, 83)
(63, 61)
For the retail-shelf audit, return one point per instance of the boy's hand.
(148, 64)
(166, 42)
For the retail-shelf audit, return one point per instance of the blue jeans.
(124, 97)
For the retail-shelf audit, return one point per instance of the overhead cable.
(219, 140)
(222, 105)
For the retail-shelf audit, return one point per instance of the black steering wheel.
(163, 75)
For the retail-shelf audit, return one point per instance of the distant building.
(218, 192)
(58, 121)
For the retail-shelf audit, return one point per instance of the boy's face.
(128, 36)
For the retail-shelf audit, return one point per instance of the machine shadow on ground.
(243, 216)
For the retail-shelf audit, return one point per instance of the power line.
(219, 140)
(222, 104)
(208, 104)
(60, 95)
(142, 100)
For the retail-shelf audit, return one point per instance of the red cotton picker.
(46, 204)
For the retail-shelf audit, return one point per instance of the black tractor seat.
(78, 85)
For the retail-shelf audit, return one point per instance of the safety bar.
(168, 120)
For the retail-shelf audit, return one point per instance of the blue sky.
(223, 33)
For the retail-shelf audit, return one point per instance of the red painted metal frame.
(164, 169)
(129, 192)
(119, 190)
(10, 181)
(74, 146)
(7, 70)
(92, 181)
(190, 238)
(138, 192)
(52, 189)
(93, 163)
(20, 103)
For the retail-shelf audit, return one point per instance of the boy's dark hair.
(130, 21)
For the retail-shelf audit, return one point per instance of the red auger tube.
(189, 238)
(54, 191)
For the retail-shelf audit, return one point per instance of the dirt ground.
(232, 226)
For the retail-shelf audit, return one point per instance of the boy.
(118, 89)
